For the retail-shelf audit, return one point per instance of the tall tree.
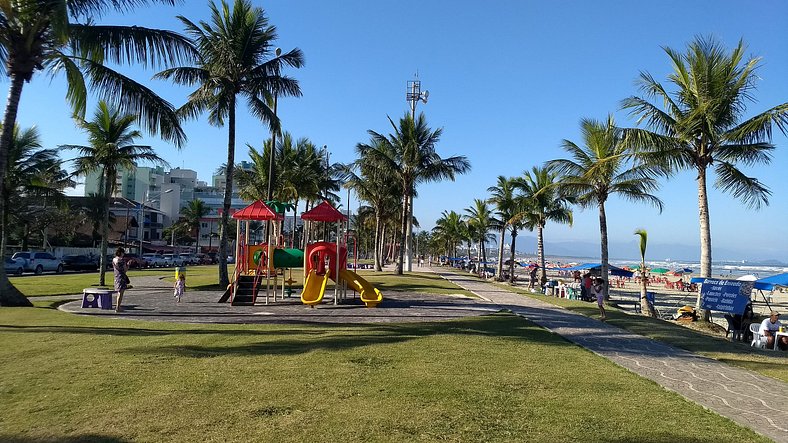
(600, 169)
(111, 147)
(410, 156)
(29, 169)
(449, 230)
(542, 202)
(481, 218)
(191, 216)
(504, 200)
(61, 36)
(235, 57)
(701, 125)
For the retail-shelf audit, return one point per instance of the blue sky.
(508, 80)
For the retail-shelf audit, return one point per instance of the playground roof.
(257, 211)
(323, 212)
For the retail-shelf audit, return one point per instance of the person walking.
(180, 286)
(121, 279)
(598, 290)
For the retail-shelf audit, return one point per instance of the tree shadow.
(85, 438)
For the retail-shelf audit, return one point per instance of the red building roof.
(323, 212)
(257, 211)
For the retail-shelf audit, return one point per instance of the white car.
(39, 262)
(14, 266)
(174, 260)
(155, 260)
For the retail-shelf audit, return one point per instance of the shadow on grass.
(86, 438)
(354, 336)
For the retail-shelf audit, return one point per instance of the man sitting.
(768, 329)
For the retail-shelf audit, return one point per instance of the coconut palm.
(646, 308)
(480, 217)
(191, 215)
(410, 156)
(26, 169)
(541, 202)
(60, 36)
(235, 57)
(449, 230)
(503, 199)
(600, 169)
(702, 125)
(111, 147)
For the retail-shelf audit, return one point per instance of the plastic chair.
(758, 340)
(734, 327)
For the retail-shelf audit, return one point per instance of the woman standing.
(598, 290)
(121, 279)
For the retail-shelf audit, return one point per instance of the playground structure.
(258, 263)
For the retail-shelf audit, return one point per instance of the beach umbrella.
(660, 271)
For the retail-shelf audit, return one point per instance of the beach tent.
(596, 267)
(769, 283)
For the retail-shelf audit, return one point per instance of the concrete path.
(752, 400)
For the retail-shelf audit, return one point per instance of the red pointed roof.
(323, 212)
(257, 211)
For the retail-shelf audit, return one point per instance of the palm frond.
(749, 190)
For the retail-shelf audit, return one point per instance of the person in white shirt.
(768, 329)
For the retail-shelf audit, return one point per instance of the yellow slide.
(369, 294)
(314, 288)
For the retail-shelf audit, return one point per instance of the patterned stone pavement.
(752, 400)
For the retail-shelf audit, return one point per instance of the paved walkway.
(752, 400)
(151, 299)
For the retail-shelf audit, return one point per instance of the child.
(598, 290)
(180, 286)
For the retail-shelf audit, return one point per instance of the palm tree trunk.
(224, 278)
(105, 227)
(484, 255)
(403, 233)
(511, 258)
(9, 295)
(500, 256)
(409, 237)
(646, 308)
(540, 249)
(378, 240)
(603, 235)
(705, 237)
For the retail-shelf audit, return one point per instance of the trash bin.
(179, 270)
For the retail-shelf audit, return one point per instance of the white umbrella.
(748, 277)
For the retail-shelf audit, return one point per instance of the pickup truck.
(39, 262)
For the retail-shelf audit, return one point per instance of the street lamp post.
(413, 96)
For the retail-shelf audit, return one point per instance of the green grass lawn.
(769, 363)
(69, 284)
(493, 378)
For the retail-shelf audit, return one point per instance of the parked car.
(190, 259)
(80, 263)
(14, 266)
(174, 260)
(39, 262)
(204, 259)
(155, 260)
(134, 261)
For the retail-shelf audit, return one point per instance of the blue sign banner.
(729, 296)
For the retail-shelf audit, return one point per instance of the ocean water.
(729, 269)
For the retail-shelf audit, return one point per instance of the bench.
(97, 298)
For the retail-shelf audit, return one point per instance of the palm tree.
(541, 202)
(235, 57)
(600, 169)
(27, 171)
(503, 199)
(449, 230)
(702, 126)
(645, 307)
(111, 147)
(192, 215)
(60, 36)
(410, 156)
(481, 218)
